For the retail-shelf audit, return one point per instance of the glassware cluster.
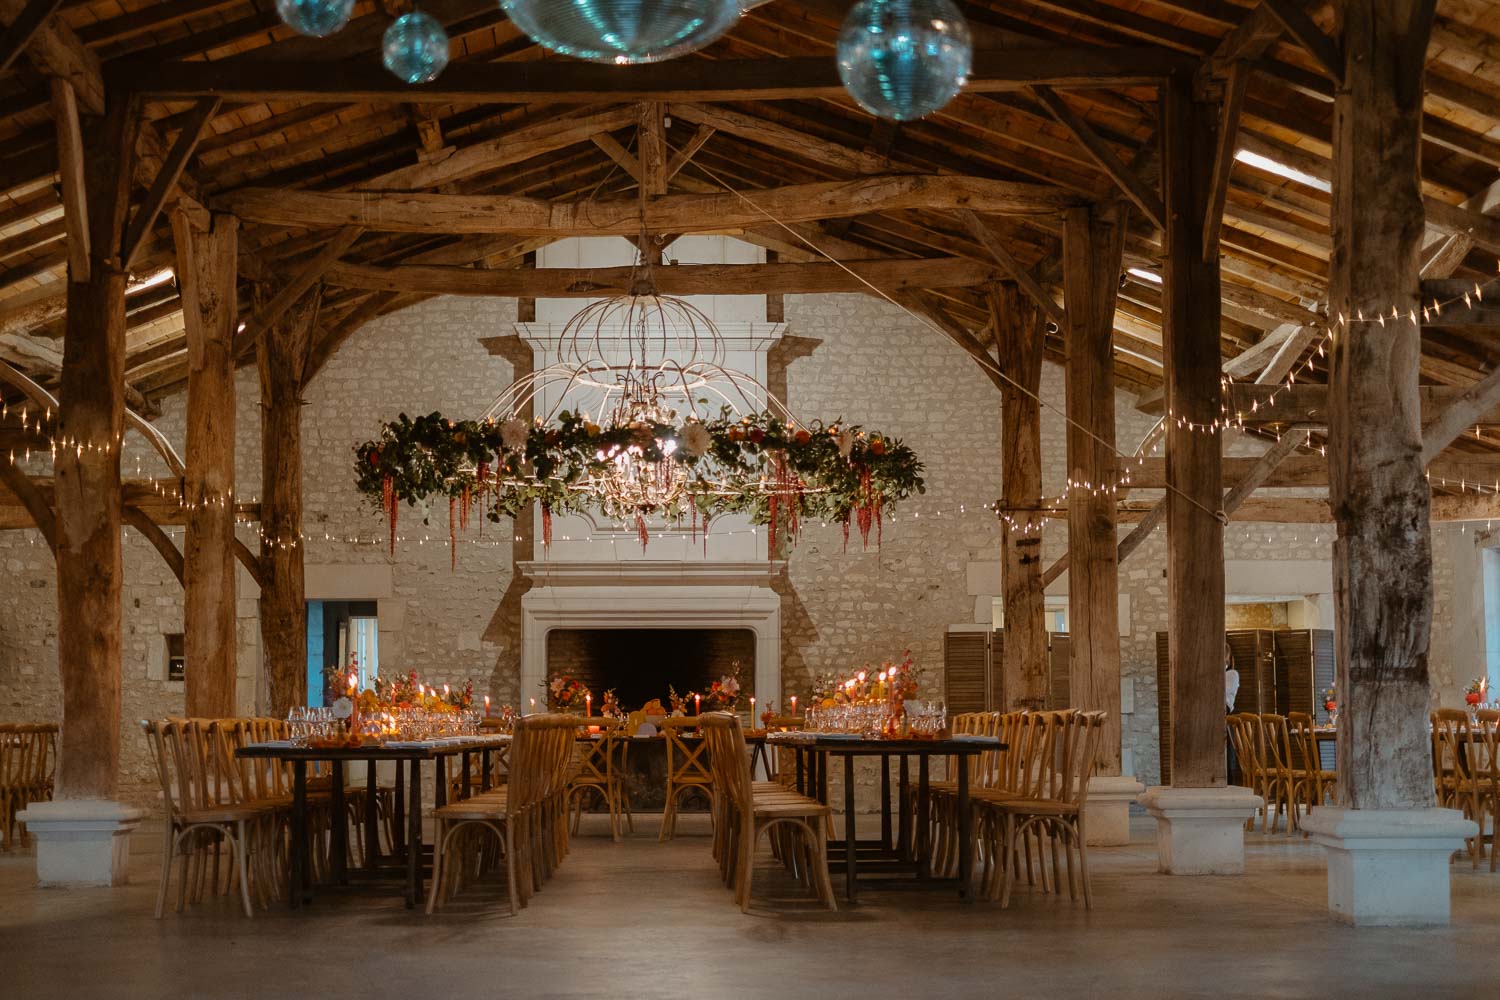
(308, 725)
(876, 719)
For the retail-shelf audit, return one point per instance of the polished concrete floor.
(640, 918)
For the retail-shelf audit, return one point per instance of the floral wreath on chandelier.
(654, 367)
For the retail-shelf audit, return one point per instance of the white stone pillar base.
(81, 842)
(1389, 867)
(1200, 831)
(1106, 811)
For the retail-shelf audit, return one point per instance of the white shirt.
(1231, 688)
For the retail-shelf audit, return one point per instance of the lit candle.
(752, 711)
(486, 706)
(588, 705)
(794, 704)
(533, 706)
(445, 692)
(697, 704)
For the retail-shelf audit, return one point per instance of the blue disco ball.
(623, 31)
(415, 47)
(318, 18)
(904, 59)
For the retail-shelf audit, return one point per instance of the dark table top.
(390, 751)
(863, 746)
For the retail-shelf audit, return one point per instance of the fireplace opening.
(641, 664)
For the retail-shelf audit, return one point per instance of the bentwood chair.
(599, 769)
(28, 755)
(744, 810)
(1058, 811)
(1461, 749)
(1486, 772)
(688, 770)
(1285, 783)
(1319, 782)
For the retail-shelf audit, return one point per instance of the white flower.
(694, 439)
(846, 443)
(513, 433)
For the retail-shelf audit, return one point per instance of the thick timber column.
(281, 355)
(83, 837)
(1093, 244)
(1387, 846)
(1200, 821)
(206, 274)
(1020, 329)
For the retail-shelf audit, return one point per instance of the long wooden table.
(905, 849)
(407, 757)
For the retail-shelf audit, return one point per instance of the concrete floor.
(646, 919)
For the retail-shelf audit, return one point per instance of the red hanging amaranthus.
(864, 510)
(452, 536)
(546, 526)
(640, 530)
(389, 501)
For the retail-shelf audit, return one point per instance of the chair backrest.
(594, 758)
(1453, 742)
(1486, 758)
(181, 768)
(541, 756)
(1275, 743)
(730, 762)
(686, 761)
(1076, 745)
(1033, 760)
(1243, 730)
(1304, 743)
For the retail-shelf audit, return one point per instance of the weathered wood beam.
(995, 247)
(37, 506)
(70, 162)
(23, 28)
(57, 52)
(1093, 244)
(1224, 150)
(167, 177)
(1020, 331)
(157, 498)
(1466, 410)
(1324, 50)
(1460, 303)
(626, 160)
(281, 358)
(208, 276)
(295, 287)
(651, 147)
(678, 213)
(1147, 200)
(88, 496)
(151, 531)
(684, 156)
(1382, 557)
(252, 79)
(1312, 470)
(1309, 403)
(787, 140)
(686, 279)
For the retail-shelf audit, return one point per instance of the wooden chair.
(1486, 773)
(188, 771)
(1284, 783)
(1066, 766)
(599, 771)
(688, 769)
(1461, 750)
(1319, 782)
(1025, 773)
(1244, 734)
(28, 756)
(526, 818)
(745, 811)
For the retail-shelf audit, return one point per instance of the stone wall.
(875, 366)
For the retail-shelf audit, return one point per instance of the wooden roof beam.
(1324, 50)
(57, 52)
(429, 213)
(1013, 269)
(523, 82)
(23, 28)
(1144, 198)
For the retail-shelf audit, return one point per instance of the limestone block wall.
(875, 366)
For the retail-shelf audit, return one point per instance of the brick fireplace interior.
(640, 663)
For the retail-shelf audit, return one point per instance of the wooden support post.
(71, 166)
(1093, 243)
(281, 355)
(88, 495)
(206, 273)
(1195, 535)
(1382, 555)
(651, 149)
(1020, 328)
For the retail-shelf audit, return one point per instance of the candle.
(533, 706)
(588, 704)
(794, 704)
(752, 711)
(697, 704)
(486, 706)
(445, 692)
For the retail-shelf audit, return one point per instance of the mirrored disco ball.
(904, 59)
(315, 17)
(415, 47)
(623, 31)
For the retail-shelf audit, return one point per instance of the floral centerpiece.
(724, 693)
(1330, 701)
(566, 693)
(610, 707)
(1477, 691)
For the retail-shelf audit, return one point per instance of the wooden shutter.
(1254, 653)
(1304, 670)
(1164, 706)
(1059, 689)
(997, 700)
(965, 670)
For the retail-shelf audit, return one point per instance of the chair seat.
(223, 814)
(486, 806)
(1036, 807)
(788, 810)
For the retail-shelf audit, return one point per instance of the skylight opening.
(1281, 170)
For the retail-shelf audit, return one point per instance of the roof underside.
(1275, 237)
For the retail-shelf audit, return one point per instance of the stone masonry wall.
(876, 366)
